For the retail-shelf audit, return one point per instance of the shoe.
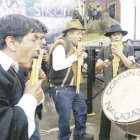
(131, 137)
(85, 136)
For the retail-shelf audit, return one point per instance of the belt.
(65, 86)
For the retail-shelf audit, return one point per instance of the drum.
(121, 101)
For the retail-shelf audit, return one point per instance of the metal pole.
(90, 75)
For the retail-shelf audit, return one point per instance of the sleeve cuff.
(28, 103)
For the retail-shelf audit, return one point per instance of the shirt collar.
(6, 62)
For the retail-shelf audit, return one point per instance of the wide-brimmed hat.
(73, 24)
(115, 28)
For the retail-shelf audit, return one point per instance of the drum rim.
(122, 123)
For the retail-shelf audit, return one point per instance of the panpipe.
(36, 67)
(116, 59)
(79, 70)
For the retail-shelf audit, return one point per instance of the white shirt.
(98, 9)
(60, 61)
(27, 102)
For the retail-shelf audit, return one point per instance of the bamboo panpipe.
(36, 67)
(116, 59)
(79, 71)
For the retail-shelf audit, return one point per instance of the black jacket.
(13, 121)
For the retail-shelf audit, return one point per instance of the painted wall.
(12, 6)
(53, 13)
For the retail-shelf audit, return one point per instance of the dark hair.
(100, 43)
(17, 26)
(42, 26)
(128, 40)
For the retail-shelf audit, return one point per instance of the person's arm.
(101, 62)
(28, 103)
(32, 96)
(17, 112)
(60, 61)
(17, 121)
(99, 65)
(14, 124)
(129, 61)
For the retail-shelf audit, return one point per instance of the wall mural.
(54, 14)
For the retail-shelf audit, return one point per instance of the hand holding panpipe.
(80, 50)
(117, 48)
(35, 91)
(116, 44)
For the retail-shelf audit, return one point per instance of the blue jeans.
(65, 100)
(36, 134)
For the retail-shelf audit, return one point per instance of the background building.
(130, 19)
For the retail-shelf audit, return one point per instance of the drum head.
(121, 98)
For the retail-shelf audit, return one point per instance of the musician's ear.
(69, 34)
(10, 43)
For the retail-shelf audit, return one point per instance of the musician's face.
(42, 39)
(27, 50)
(75, 37)
(116, 37)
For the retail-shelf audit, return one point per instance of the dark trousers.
(105, 127)
(36, 134)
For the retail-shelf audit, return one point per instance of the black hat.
(115, 28)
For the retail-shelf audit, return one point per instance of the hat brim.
(73, 29)
(110, 33)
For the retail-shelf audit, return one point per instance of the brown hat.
(115, 28)
(73, 24)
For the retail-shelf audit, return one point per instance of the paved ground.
(48, 124)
